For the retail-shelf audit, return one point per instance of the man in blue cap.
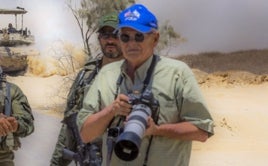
(149, 108)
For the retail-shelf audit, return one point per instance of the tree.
(90, 11)
(168, 38)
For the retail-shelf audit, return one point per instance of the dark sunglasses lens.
(108, 35)
(139, 37)
(124, 38)
(104, 36)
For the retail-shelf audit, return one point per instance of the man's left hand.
(151, 127)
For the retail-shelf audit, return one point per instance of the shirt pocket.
(168, 110)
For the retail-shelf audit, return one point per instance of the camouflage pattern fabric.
(6, 158)
(74, 103)
(21, 110)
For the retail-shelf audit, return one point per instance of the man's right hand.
(120, 105)
(7, 124)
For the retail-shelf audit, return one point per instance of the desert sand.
(237, 98)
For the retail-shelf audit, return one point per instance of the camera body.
(143, 105)
(147, 99)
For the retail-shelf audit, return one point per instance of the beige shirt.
(174, 86)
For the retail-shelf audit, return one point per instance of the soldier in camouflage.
(16, 120)
(111, 52)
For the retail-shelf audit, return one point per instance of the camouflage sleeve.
(74, 99)
(22, 111)
(57, 156)
(65, 139)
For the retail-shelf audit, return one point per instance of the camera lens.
(128, 143)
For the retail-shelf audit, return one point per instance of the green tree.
(88, 12)
(168, 38)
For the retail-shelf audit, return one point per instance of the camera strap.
(149, 73)
(146, 82)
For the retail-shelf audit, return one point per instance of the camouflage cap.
(108, 20)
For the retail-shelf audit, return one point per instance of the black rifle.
(86, 154)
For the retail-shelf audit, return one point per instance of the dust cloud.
(61, 59)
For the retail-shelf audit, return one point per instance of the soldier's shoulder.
(93, 61)
(12, 85)
(14, 89)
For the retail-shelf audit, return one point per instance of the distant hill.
(237, 67)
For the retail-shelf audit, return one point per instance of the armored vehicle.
(12, 36)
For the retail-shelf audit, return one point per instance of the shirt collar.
(141, 72)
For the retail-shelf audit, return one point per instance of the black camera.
(128, 143)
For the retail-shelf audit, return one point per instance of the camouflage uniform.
(66, 139)
(21, 110)
(79, 87)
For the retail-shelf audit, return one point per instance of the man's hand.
(120, 105)
(13, 121)
(7, 125)
(151, 127)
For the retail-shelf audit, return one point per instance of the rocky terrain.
(242, 67)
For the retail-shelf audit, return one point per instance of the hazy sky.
(216, 25)
(208, 25)
(48, 20)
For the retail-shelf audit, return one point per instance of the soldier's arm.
(22, 111)
(5, 125)
(57, 156)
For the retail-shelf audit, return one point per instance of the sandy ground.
(240, 113)
(240, 139)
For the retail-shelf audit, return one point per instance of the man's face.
(109, 43)
(137, 47)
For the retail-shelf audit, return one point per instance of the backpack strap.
(82, 153)
(5, 87)
(8, 100)
(94, 72)
(9, 140)
(2, 91)
(83, 78)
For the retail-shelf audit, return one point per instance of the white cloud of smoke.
(208, 25)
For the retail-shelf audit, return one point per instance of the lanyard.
(110, 141)
(146, 80)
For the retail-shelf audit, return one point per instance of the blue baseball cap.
(137, 17)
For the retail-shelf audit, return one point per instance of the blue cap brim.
(137, 27)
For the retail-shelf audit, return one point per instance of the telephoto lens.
(143, 106)
(128, 143)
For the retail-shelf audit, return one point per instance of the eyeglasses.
(107, 35)
(139, 37)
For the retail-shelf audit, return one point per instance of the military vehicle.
(12, 36)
